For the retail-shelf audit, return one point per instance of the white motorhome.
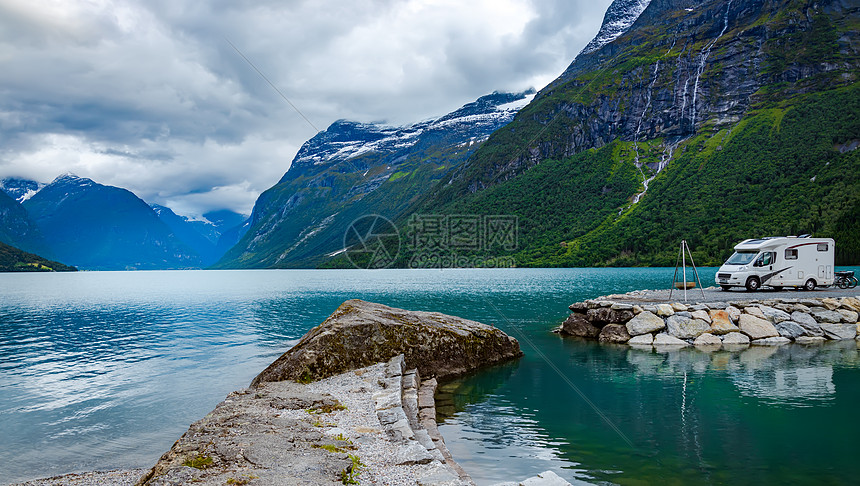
(779, 262)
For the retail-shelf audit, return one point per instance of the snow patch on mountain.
(345, 139)
(619, 17)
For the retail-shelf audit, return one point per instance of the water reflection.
(790, 375)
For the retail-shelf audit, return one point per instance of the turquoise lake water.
(103, 370)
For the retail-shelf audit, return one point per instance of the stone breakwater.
(766, 322)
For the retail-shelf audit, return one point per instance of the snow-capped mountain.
(20, 189)
(94, 226)
(353, 169)
(345, 139)
(618, 18)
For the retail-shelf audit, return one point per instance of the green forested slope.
(15, 260)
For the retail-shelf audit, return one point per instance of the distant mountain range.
(99, 227)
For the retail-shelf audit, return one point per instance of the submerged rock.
(360, 333)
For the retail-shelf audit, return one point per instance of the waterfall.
(701, 67)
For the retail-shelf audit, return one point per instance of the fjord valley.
(708, 122)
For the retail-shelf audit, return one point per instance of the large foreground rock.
(756, 328)
(361, 333)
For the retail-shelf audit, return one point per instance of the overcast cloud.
(150, 96)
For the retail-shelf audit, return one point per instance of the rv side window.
(791, 254)
(822, 247)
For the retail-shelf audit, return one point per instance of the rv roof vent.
(804, 236)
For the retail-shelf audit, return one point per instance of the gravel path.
(715, 294)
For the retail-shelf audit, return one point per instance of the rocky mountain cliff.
(98, 227)
(355, 169)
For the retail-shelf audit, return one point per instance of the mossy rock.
(360, 334)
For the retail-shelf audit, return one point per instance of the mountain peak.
(618, 18)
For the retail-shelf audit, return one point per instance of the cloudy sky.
(149, 95)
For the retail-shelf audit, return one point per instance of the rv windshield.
(741, 257)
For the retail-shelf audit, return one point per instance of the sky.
(151, 95)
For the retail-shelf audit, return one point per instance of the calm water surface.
(100, 370)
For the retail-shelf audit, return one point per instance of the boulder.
(823, 315)
(848, 316)
(678, 307)
(721, 323)
(734, 313)
(756, 328)
(360, 333)
(810, 340)
(665, 310)
(789, 329)
(755, 312)
(803, 318)
(606, 315)
(664, 339)
(774, 315)
(702, 315)
(830, 303)
(644, 322)
(851, 303)
(839, 331)
(578, 325)
(799, 308)
(771, 341)
(614, 333)
(685, 328)
(707, 339)
(643, 339)
(736, 338)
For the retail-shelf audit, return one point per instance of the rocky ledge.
(769, 322)
(347, 401)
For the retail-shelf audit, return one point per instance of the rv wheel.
(809, 285)
(753, 284)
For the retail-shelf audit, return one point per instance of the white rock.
(664, 339)
(703, 315)
(643, 339)
(756, 328)
(643, 323)
(679, 307)
(707, 339)
(754, 311)
(771, 341)
(809, 340)
(775, 316)
(736, 338)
